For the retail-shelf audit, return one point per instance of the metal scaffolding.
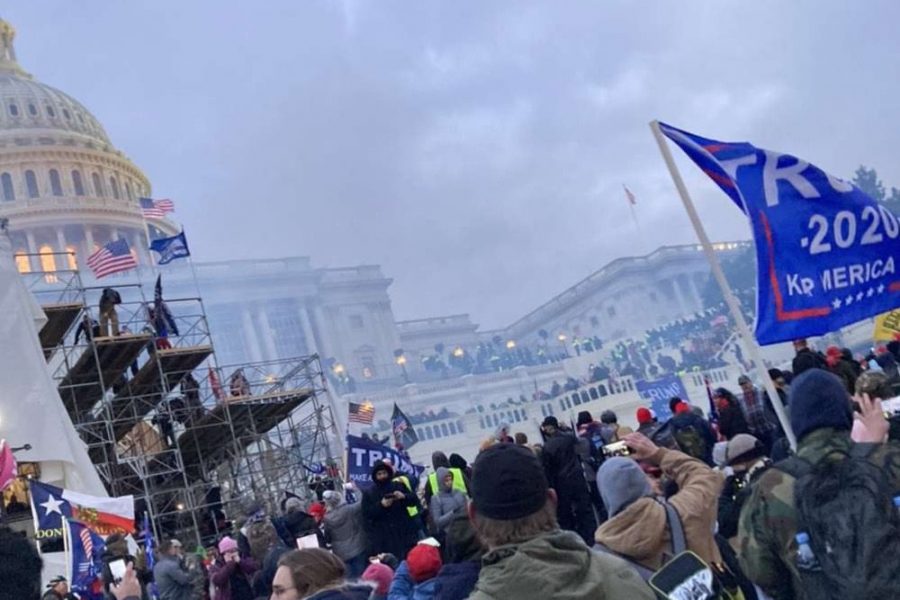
(194, 442)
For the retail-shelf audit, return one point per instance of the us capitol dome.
(65, 189)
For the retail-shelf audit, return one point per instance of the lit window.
(13, 110)
(22, 263)
(77, 183)
(50, 111)
(98, 187)
(55, 184)
(114, 186)
(9, 192)
(48, 263)
(32, 110)
(31, 184)
(70, 258)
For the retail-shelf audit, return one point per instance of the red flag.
(215, 384)
(8, 470)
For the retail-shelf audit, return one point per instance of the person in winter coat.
(231, 575)
(415, 577)
(731, 416)
(446, 504)
(314, 574)
(173, 581)
(806, 358)
(381, 576)
(387, 523)
(513, 511)
(566, 476)
(692, 434)
(263, 541)
(458, 576)
(746, 456)
(116, 549)
(636, 528)
(109, 318)
(344, 527)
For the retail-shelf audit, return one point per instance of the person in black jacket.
(388, 525)
(109, 298)
(566, 475)
(731, 416)
(806, 359)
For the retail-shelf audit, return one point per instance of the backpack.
(691, 441)
(846, 507)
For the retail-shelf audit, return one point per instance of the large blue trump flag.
(825, 252)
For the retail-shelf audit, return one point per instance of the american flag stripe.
(87, 542)
(362, 413)
(114, 257)
(156, 209)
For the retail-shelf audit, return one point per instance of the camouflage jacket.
(768, 521)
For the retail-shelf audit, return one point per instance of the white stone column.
(33, 260)
(62, 262)
(265, 332)
(250, 337)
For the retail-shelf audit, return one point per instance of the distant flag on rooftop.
(114, 257)
(170, 248)
(362, 413)
(156, 209)
(404, 434)
(8, 468)
(628, 194)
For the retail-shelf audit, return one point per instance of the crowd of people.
(598, 511)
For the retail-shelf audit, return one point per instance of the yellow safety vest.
(459, 482)
(403, 479)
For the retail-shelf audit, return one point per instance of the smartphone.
(117, 569)
(616, 449)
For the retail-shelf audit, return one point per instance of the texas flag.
(49, 504)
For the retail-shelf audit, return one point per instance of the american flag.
(362, 413)
(114, 257)
(156, 209)
(87, 542)
(628, 194)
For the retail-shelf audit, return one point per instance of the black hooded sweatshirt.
(389, 529)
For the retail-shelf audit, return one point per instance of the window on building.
(444, 430)
(50, 111)
(55, 183)
(356, 321)
(48, 263)
(452, 428)
(23, 265)
(114, 186)
(77, 183)
(9, 192)
(31, 184)
(70, 258)
(66, 114)
(128, 191)
(428, 433)
(32, 110)
(13, 109)
(98, 185)
(611, 311)
(368, 367)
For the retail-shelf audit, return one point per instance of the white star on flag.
(848, 300)
(836, 304)
(881, 289)
(870, 293)
(52, 505)
(860, 296)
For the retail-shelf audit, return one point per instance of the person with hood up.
(460, 480)
(731, 416)
(415, 577)
(447, 504)
(637, 526)
(387, 523)
(464, 551)
(564, 472)
(344, 527)
(513, 512)
(232, 575)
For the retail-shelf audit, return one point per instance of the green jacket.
(556, 565)
(768, 521)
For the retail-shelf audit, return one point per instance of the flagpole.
(753, 349)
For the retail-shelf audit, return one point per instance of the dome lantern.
(8, 62)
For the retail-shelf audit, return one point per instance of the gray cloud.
(476, 150)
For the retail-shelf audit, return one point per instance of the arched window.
(114, 186)
(13, 109)
(452, 428)
(32, 110)
(128, 191)
(23, 265)
(70, 258)
(444, 431)
(48, 263)
(98, 186)
(55, 183)
(459, 426)
(428, 433)
(31, 184)
(77, 183)
(9, 192)
(66, 114)
(50, 111)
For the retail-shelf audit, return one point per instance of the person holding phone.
(388, 525)
(231, 574)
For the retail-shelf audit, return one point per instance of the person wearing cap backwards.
(388, 526)
(57, 589)
(513, 511)
(232, 575)
(566, 476)
(821, 418)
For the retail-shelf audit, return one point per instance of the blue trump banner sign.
(825, 252)
(658, 392)
(363, 453)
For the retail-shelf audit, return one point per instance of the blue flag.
(658, 392)
(363, 453)
(149, 552)
(87, 550)
(825, 251)
(171, 248)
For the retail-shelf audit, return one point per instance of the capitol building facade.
(66, 191)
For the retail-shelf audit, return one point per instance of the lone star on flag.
(836, 304)
(52, 505)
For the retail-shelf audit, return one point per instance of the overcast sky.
(476, 150)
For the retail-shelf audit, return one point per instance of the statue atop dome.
(8, 62)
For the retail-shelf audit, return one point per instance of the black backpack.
(846, 507)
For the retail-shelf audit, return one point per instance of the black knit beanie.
(508, 482)
(819, 400)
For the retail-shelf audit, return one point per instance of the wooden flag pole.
(753, 349)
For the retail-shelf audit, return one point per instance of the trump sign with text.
(826, 252)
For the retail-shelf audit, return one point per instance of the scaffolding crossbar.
(60, 318)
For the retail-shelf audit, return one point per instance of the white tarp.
(31, 411)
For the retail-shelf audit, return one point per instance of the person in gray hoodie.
(447, 504)
(344, 527)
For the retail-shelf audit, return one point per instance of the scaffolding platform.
(212, 436)
(101, 364)
(159, 375)
(60, 318)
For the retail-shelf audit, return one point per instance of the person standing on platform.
(109, 298)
